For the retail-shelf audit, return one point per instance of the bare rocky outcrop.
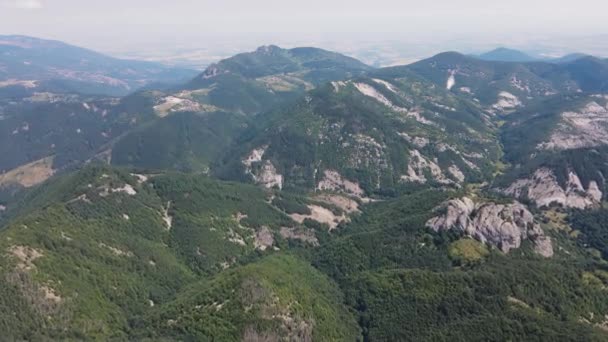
(172, 104)
(42, 298)
(266, 173)
(168, 219)
(25, 256)
(263, 239)
(504, 226)
(268, 176)
(388, 85)
(321, 215)
(506, 102)
(302, 234)
(587, 127)
(544, 190)
(333, 181)
(30, 174)
(419, 165)
(455, 171)
(372, 92)
(347, 204)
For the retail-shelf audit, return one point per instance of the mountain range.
(36, 65)
(301, 195)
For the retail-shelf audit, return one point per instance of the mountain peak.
(503, 54)
(268, 49)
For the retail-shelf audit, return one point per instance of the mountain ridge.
(76, 69)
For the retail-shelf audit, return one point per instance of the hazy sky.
(114, 24)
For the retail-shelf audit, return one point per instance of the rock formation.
(504, 226)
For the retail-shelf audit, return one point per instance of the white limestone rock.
(544, 190)
(504, 226)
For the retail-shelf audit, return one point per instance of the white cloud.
(25, 4)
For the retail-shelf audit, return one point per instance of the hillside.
(103, 253)
(451, 287)
(30, 65)
(279, 298)
(559, 150)
(202, 121)
(504, 87)
(366, 136)
(190, 141)
(48, 133)
(107, 254)
(255, 81)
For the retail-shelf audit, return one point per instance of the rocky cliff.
(504, 226)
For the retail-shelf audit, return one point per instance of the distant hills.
(503, 54)
(506, 85)
(506, 55)
(47, 65)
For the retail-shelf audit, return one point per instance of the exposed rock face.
(455, 171)
(372, 92)
(388, 85)
(419, 165)
(586, 128)
(304, 235)
(544, 190)
(172, 104)
(502, 225)
(267, 174)
(333, 181)
(321, 215)
(506, 101)
(263, 239)
(364, 151)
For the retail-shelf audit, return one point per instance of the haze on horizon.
(156, 29)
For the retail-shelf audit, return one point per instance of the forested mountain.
(255, 81)
(299, 195)
(29, 65)
(558, 149)
(502, 87)
(503, 54)
(370, 135)
(104, 253)
(216, 107)
(48, 133)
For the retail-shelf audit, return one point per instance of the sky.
(122, 25)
